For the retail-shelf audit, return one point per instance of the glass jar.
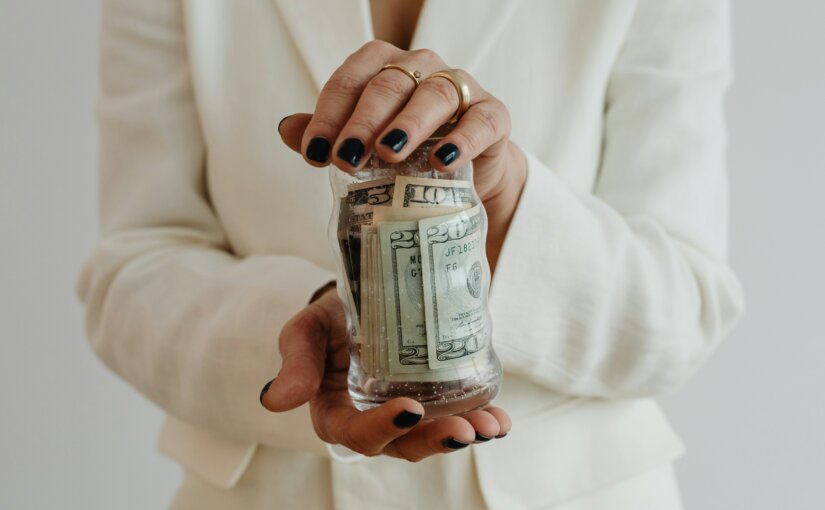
(413, 278)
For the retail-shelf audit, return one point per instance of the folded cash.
(454, 271)
(413, 251)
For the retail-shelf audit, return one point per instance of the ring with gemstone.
(415, 75)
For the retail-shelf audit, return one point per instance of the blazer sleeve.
(625, 291)
(169, 307)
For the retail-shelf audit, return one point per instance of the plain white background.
(74, 436)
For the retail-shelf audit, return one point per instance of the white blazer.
(612, 286)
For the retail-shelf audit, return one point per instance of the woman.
(596, 132)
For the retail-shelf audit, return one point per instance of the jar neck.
(416, 163)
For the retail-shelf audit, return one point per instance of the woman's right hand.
(313, 345)
(365, 107)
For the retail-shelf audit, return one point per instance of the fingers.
(442, 435)
(366, 432)
(483, 130)
(338, 99)
(449, 434)
(383, 97)
(485, 424)
(292, 129)
(432, 105)
(503, 419)
(362, 107)
(302, 344)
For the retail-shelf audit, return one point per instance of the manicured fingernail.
(351, 151)
(482, 439)
(264, 390)
(501, 435)
(318, 149)
(453, 444)
(406, 419)
(282, 121)
(395, 140)
(447, 153)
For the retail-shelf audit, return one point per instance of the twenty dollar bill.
(454, 273)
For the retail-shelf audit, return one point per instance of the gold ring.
(461, 86)
(415, 75)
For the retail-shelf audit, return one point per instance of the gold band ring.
(415, 75)
(461, 87)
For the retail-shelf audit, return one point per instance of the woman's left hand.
(363, 107)
(315, 354)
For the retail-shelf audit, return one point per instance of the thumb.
(303, 344)
(292, 129)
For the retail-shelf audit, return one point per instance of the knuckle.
(388, 87)
(296, 326)
(302, 323)
(414, 121)
(372, 50)
(502, 115)
(304, 329)
(488, 121)
(464, 74)
(343, 84)
(443, 90)
(470, 140)
(325, 124)
(378, 46)
(426, 54)
(363, 124)
(304, 358)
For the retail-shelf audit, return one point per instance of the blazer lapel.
(326, 32)
(462, 32)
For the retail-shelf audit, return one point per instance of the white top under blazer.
(612, 286)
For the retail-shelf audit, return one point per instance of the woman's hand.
(362, 108)
(313, 345)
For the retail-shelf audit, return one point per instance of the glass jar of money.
(413, 278)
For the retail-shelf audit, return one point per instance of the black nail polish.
(482, 439)
(447, 153)
(406, 419)
(282, 121)
(264, 390)
(395, 140)
(318, 149)
(500, 436)
(453, 444)
(351, 151)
